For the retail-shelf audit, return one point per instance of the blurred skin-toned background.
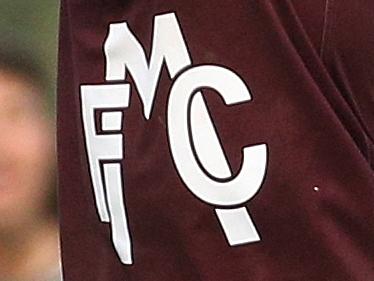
(28, 216)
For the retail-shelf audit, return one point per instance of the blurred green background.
(35, 24)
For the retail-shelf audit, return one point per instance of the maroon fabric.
(310, 67)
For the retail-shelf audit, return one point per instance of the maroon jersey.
(216, 140)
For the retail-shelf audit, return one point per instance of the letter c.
(184, 94)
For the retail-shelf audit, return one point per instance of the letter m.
(124, 53)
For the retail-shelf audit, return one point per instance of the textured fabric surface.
(309, 66)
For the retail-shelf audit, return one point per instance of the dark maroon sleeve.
(348, 53)
(295, 85)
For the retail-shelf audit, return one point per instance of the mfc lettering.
(194, 143)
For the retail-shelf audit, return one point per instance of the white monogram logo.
(194, 143)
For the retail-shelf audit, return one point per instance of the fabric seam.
(327, 23)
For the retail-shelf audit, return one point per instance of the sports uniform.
(207, 140)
